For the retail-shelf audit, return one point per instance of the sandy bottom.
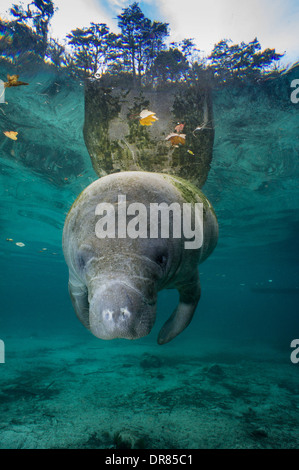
(86, 393)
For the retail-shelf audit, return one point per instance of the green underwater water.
(227, 381)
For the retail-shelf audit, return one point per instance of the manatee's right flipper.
(79, 298)
(189, 296)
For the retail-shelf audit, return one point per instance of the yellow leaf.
(147, 118)
(11, 134)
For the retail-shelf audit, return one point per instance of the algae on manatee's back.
(116, 140)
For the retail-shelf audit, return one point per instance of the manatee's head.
(123, 280)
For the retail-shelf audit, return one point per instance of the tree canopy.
(139, 50)
(169, 66)
(141, 40)
(93, 48)
(38, 15)
(241, 61)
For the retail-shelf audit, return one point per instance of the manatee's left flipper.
(189, 296)
(79, 298)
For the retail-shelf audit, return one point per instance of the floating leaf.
(179, 127)
(11, 134)
(176, 139)
(13, 81)
(147, 118)
(202, 127)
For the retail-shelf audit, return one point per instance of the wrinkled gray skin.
(113, 283)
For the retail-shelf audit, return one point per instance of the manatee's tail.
(175, 137)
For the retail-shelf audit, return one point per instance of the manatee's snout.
(117, 310)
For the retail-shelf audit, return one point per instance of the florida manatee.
(114, 281)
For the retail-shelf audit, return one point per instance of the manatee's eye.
(83, 257)
(81, 261)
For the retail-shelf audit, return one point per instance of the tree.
(241, 61)
(141, 39)
(92, 48)
(56, 53)
(188, 49)
(19, 43)
(154, 42)
(169, 66)
(38, 14)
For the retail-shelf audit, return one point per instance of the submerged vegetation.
(139, 54)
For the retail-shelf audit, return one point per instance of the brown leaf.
(13, 81)
(176, 139)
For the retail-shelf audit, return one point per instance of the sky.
(274, 22)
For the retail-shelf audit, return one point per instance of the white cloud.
(274, 22)
(71, 14)
(74, 14)
(118, 5)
